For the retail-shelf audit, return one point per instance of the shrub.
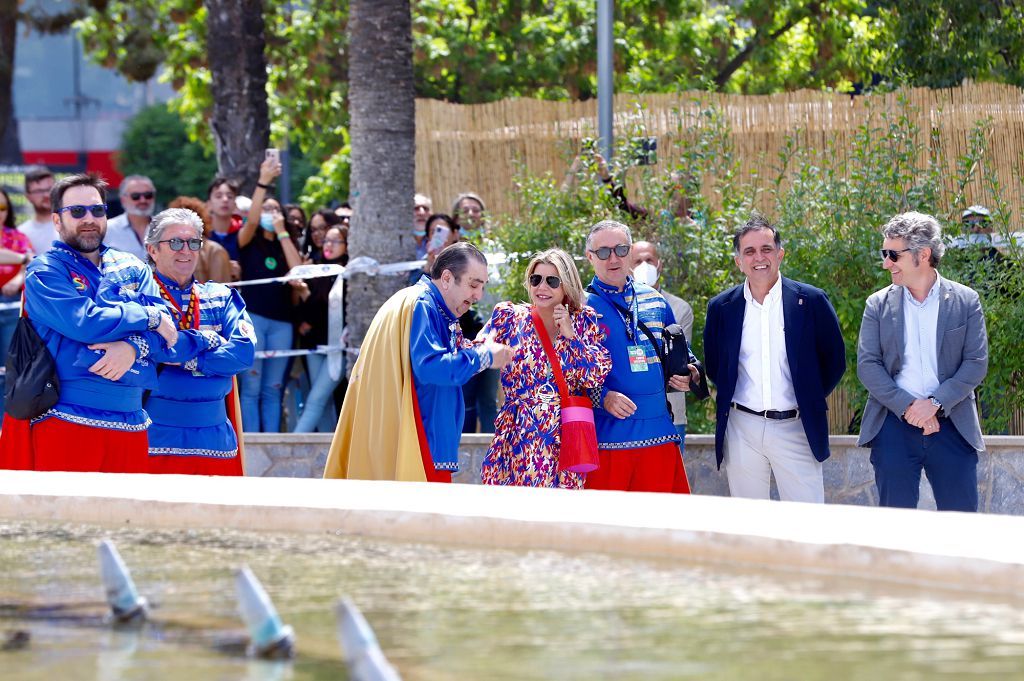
(828, 210)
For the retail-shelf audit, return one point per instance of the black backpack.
(32, 383)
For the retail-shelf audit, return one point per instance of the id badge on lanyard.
(637, 358)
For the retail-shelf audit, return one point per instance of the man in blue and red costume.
(71, 298)
(638, 445)
(195, 428)
(403, 412)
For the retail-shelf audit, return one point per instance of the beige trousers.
(756, 447)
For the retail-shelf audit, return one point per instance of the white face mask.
(646, 273)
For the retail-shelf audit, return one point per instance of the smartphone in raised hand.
(274, 154)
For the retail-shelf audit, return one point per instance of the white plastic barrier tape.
(360, 265)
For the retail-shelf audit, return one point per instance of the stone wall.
(848, 475)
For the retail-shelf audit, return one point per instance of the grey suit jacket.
(962, 358)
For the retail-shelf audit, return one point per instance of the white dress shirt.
(764, 380)
(121, 236)
(919, 375)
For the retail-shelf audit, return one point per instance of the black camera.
(644, 150)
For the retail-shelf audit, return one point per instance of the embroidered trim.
(207, 453)
(191, 365)
(142, 344)
(453, 466)
(93, 423)
(213, 339)
(640, 444)
(485, 359)
(154, 319)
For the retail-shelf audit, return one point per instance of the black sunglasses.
(552, 280)
(98, 210)
(142, 195)
(605, 252)
(893, 255)
(178, 244)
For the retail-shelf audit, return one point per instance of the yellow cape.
(376, 438)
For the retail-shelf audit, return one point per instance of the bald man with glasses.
(922, 352)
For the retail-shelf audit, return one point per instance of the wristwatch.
(936, 404)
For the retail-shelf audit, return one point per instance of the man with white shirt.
(923, 350)
(39, 228)
(773, 347)
(127, 232)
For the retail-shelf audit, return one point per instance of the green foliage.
(468, 51)
(155, 144)
(828, 210)
(942, 42)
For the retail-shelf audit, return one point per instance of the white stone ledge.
(955, 550)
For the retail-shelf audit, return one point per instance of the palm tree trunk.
(10, 146)
(382, 108)
(238, 69)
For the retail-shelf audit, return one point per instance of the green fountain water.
(449, 613)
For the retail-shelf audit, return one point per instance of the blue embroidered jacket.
(187, 408)
(72, 304)
(442, 361)
(651, 424)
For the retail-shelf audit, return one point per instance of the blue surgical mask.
(267, 221)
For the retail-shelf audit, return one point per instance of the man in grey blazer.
(922, 351)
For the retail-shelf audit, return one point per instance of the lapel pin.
(800, 302)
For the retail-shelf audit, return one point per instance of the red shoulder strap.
(556, 366)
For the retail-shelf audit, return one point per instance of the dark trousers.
(901, 451)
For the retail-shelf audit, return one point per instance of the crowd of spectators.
(247, 239)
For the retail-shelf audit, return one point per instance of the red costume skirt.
(16, 445)
(649, 469)
(58, 445)
(195, 465)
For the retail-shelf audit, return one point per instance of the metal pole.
(605, 76)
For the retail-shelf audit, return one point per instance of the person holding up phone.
(590, 160)
(440, 231)
(266, 250)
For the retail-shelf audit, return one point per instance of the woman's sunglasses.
(552, 280)
(605, 252)
(98, 210)
(178, 244)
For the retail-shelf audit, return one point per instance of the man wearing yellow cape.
(403, 412)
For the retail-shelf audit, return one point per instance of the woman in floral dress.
(526, 433)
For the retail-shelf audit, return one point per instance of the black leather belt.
(769, 413)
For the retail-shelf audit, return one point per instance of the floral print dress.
(527, 431)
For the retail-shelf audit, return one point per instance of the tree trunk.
(238, 68)
(10, 146)
(382, 109)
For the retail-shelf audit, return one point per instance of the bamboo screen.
(477, 147)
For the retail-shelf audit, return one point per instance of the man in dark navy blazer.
(774, 349)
